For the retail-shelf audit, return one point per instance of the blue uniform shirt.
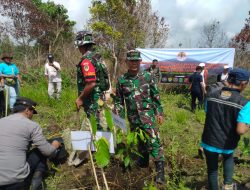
(196, 79)
(10, 69)
(1, 65)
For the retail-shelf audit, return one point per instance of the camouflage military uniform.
(141, 96)
(90, 103)
(156, 73)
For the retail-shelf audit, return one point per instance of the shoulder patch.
(226, 94)
(86, 67)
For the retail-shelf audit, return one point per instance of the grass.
(180, 134)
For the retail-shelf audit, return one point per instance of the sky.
(185, 17)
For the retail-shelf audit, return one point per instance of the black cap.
(50, 56)
(22, 101)
(155, 60)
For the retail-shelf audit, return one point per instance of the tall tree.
(59, 29)
(32, 21)
(154, 27)
(241, 42)
(126, 24)
(212, 36)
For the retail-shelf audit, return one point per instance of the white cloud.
(189, 23)
(181, 15)
(186, 17)
(180, 3)
(78, 10)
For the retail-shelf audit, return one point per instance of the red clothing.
(88, 70)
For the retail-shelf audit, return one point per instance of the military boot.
(143, 162)
(160, 174)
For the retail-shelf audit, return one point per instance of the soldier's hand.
(56, 144)
(159, 119)
(79, 103)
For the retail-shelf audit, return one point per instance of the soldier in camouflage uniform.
(155, 71)
(138, 91)
(88, 90)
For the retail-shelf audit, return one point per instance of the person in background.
(2, 99)
(53, 76)
(227, 117)
(222, 77)
(137, 93)
(197, 88)
(204, 74)
(12, 78)
(155, 71)
(18, 165)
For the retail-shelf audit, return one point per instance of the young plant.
(127, 145)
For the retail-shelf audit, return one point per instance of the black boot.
(143, 162)
(160, 176)
(37, 181)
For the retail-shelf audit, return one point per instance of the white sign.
(81, 139)
(119, 122)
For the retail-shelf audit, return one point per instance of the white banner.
(177, 64)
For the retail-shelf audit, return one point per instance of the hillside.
(180, 135)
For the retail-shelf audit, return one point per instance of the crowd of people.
(138, 98)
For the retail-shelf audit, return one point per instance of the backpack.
(102, 76)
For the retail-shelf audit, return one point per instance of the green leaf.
(119, 136)
(136, 152)
(130, 138)
(93, 124)
(109, 119)
(127, 161)
(141, 135)
(102, 155)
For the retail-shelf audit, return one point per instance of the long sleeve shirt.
(16, 134)
(139, 94)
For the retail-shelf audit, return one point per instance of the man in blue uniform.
(12, 79)
(197, 88)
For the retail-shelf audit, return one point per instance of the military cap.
(134, 55)
(83, 38)
(239, 75)
(22, 101)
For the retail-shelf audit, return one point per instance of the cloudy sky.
(185, 17)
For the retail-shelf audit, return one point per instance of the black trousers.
(2, 104)
(212, 168)
(37, 162)
(196, 95)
